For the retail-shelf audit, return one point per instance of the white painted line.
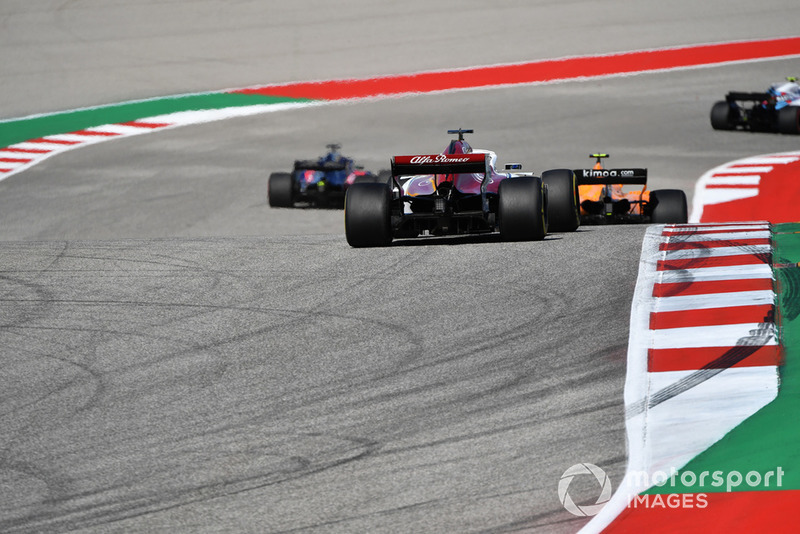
(706, 274)
(714, 252)
(13, 165)
(122, 130)
(727, 335)
(783, 159)
(707, 226)
(744, 179)
(710, 231)
(722, 195)
(36, 146)
(43, 144)
(184, 118)
(743, 170)
(636, 383)
(714, 300)
(745, 234)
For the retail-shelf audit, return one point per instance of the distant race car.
(776, 110)
(603, 199)
(459, 191)
(321, 182)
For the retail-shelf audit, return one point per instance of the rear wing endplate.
(440, 164)
(611, 176)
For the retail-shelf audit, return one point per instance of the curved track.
(179, 356)
(439, 386)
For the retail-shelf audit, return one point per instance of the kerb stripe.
(713, 286)
(716, 261)
(689, 359)
(711, 316)
(684, 245)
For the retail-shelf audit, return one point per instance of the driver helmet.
(333, 153)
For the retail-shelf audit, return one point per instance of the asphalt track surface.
(179, 356)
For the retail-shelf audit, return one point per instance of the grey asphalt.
(289, 383)
(180, 357)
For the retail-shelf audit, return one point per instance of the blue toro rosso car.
(775, 110)
(320, 182)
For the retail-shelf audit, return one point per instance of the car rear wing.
(735, 96)
(440, 164)
(611, 176)
(311, 165)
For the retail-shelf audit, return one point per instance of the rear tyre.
(789, 120)
(722, 116)
(563, 214)
(668, 206)
(281, 190)
(521, 209)
(367, 215)
(383, 177)
(366, 179)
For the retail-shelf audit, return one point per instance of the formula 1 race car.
(321, 182)
(603, 199)
(457, 192)
(776, 110)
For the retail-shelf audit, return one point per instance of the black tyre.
(722, 116)
(668, 206)
(366, 179)
(789, 120)
(367, 215)
(563, 214)
(383, 177)
(281, 190)
(521, 209)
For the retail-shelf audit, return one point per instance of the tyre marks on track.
(122, 313)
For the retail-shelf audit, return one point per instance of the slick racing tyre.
(722, 117)
(563, 214)
(367, 215)
(668, 206)
(521, 209)
(281, 190)
(366, 179)
(789, 120)
(383, 177)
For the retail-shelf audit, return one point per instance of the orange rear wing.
(611, 176)
(440, 164)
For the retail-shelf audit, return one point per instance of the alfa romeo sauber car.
(603, 197)
(459, 191)
(321, 182)
(776, 110)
